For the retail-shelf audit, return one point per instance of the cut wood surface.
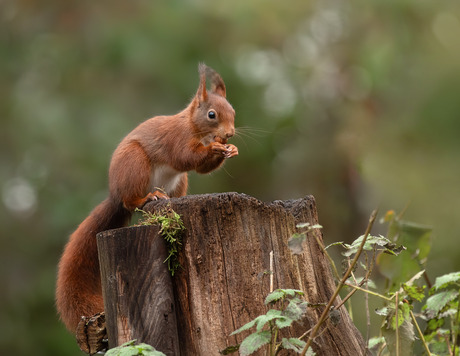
(225, 273)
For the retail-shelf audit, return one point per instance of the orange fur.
(151, 161)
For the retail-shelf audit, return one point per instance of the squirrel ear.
(202, 94)
(217, 83)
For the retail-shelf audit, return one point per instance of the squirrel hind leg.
(140, 202)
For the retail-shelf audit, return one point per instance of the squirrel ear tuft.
(217, 83)
(202, 94)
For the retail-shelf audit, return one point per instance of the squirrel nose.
(230, 133)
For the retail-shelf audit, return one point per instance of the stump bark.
(137, 288)
(224, 276)
(225, 259)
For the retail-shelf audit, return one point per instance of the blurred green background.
(357, 103)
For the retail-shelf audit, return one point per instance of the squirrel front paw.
(227, 150)
(231, 151)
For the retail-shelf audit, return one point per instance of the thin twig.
(368, 315)
(366, 291)
(331, 261)
(341, 284)
(420, 333)
(427, 280)
(366, 277)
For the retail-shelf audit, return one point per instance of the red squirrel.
(151, 162)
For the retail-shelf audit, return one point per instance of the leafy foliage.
(293, 344)
(292, 308)
(379, 243)
(171, 228)
(254, 342)
(441, 312)
(416, 238)
(404, 293)
(131, 349)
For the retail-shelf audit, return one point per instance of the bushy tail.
(78, 287)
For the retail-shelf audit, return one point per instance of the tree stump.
(137, 288)
(224, 281)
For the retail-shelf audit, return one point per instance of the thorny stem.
(420, 333)
(341, 284)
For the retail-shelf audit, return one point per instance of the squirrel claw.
(231, 151)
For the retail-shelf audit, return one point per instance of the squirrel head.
(213, 117)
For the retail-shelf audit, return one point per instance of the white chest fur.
(165, 178)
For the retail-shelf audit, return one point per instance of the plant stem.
(369, 271)
(274, 338)
(397, 320)
(341, 284)
(331, 261)
(367, 291)
(368, 316)
(420, 333)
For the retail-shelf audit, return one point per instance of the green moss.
(171, 228)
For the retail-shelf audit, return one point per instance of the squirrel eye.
(212, 114)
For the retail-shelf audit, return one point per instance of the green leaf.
(446, 280)
(439, 348)
(230, 349)
(260, 321)
(283, 322)
(295, 243)
(246, 326)
(292, 292)
(130, 349)
(415, 277)
(434, 325)
(264, 319)
(378, 242)
(254, 342)
(293, 344)
(438, 301)
(274, 296)
(403, 314)
(295, 309)
(414, 292)
(382, 311)
(406, 338)
(374, 341)
(279, 294)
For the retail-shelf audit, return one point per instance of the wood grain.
(137, 288)
(224, 281)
